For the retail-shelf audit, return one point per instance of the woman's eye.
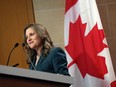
(31, 34)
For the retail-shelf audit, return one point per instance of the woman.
(40, 49)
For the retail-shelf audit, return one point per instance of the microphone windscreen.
(16, 44)
(23, 44)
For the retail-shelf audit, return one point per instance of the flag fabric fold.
(88, 55)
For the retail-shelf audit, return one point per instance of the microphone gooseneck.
(16, 45)
(15, 65)
(23, 45)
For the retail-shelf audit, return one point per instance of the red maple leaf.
(84, 49)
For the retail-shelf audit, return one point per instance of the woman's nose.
(29, 39)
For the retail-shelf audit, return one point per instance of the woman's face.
(33, 39)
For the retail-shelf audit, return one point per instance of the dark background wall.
(14, 16)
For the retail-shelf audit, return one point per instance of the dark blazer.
(55, 62)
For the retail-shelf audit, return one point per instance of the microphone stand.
(15, 65)
(11, 52)
(23, 45)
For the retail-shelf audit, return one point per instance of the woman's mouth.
(30, 42)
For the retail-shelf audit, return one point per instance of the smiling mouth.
(30, 42)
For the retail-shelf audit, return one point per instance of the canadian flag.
(88, 56)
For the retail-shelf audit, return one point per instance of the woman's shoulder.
(56, 49)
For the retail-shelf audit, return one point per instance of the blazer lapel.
(40, 61)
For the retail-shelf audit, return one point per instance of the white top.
(37, 59)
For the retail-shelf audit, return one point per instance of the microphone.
(23, 45)
(16, 45)
(15, 65)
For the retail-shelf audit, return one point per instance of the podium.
(18, 77)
